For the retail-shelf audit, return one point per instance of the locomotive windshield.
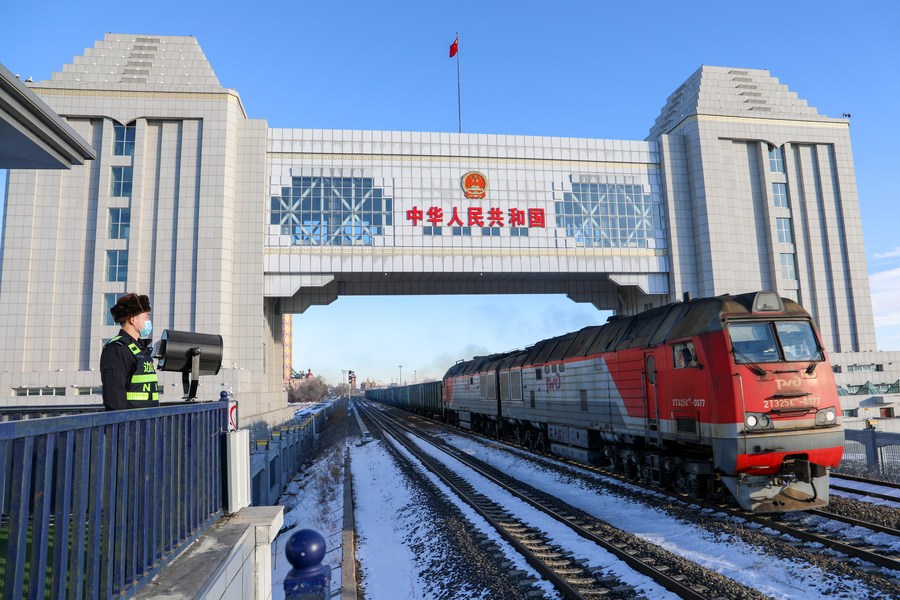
(774, 341)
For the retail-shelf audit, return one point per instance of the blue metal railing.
(18, 413)
(871, 452)
(94, 505)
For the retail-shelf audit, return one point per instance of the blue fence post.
(309, 579)
(871, 447)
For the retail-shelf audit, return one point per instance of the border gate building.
(228, 224)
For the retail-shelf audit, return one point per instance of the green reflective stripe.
(141, 396)
(134, 349)
(151, 378)
(111, 340)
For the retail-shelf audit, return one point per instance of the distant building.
(229, 224)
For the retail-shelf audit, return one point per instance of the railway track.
(573, 577)
(887, 489)
(883, 566)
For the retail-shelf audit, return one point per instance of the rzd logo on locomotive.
(554, 382)
(793, 382)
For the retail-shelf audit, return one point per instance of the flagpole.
(458, 93)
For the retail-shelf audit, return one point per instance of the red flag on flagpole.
(454, 47)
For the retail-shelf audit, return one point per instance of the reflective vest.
(144, 384)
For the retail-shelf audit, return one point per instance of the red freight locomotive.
(732, 393)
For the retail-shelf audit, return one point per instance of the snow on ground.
(865, 487)
(385, 517)
(389, 524)
(560, 533)
(776, 577)
(313, 500)
(480, 524)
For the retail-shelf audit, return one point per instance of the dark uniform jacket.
(127, 373)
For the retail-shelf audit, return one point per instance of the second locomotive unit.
(732, 393)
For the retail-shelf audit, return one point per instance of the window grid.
(609, 215)
(109, 301)
(120, 184)
(119, 223)
(461, 231)
(780, 195)
(788, 267)
(124, 139)
(332, 211)
(33, 391)
(776, 159)
(117, 265)
(783, 226)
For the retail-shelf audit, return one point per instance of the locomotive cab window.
(753, 343)
(684, 356)
(774, 341)
(798, 341)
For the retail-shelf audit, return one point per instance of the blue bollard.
(309, 579)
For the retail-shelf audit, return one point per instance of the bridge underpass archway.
(616, 292)
(433, 320)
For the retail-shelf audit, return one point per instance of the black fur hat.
(129, 305)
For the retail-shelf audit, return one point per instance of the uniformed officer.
(126, 364)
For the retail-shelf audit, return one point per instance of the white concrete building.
(228, 224)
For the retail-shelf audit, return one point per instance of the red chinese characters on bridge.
(475, 216)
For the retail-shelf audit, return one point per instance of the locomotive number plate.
(808, 401)
(695, 402)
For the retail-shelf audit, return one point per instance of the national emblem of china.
(474, 185)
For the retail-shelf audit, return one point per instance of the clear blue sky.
(581, 69)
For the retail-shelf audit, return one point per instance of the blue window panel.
(109, 301)
(119, 223)
(780, 195)
(117, 265)
(788, 267)
(608, 215)
(776, 159)
(785, 234)
(332, 211)
(124, 139)
(120, 182)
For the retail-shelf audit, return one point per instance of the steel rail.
(620, 551)
(888, 484)
(855, 522)
(834, 544)
(458, 485)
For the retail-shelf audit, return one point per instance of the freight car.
(419, 398)
(732, 394)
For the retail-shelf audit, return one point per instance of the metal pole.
(458, 92)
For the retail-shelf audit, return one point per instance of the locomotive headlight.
(758, 421)
(826, 416)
